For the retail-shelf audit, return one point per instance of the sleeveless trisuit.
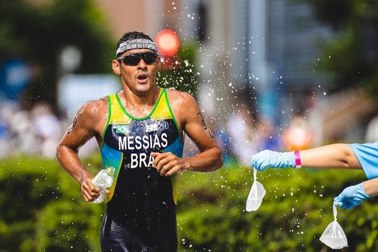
(141, 212)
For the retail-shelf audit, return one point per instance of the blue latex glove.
(273, 159)
(351, 196)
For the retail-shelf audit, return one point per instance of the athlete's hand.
(89, 191)
(168, 164)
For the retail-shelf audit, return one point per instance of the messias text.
(135, 143)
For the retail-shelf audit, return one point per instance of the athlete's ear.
(116, 66)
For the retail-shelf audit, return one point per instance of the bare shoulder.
(180, 98)
(94, 108)
(184, 106)
(93, 113)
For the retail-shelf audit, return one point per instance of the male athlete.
(140, 133)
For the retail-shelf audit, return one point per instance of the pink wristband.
(298, 163)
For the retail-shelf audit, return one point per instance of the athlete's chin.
(144, 88)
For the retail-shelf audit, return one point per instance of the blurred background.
(277, 74)
(268, 74)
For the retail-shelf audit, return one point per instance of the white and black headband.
(136, 44)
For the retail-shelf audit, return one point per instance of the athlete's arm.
(192, 122)
(85, 126)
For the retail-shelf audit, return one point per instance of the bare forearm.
(330, 156)
(70, 161)
(371, 187)
(206, 161)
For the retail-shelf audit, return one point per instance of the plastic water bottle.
(103, 180)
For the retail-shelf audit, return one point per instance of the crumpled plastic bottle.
(103, 180)
(255, 195)
(334, 236)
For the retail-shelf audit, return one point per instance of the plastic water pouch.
(256, 194)
(334, 236)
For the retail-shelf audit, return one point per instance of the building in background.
(272, 47)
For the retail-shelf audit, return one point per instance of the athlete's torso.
(140, 199)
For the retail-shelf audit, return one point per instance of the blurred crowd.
(246, 136)
(38, 130)
(34, 132)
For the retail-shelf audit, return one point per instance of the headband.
(136, 44)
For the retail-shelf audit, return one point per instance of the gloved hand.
(351, 196)
(273, 159)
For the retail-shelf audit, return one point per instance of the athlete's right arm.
(86, 124)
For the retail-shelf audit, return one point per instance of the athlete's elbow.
(219, 160)
(58, 151)
(62, 150)
(220, 163)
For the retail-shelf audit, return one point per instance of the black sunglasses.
(134, 59)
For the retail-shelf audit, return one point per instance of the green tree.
(181, 73)
(37, 33)
(353, 56)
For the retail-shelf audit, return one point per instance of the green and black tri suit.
(141, 211)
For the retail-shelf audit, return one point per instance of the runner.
(140, 131)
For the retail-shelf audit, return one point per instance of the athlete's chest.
(138, 135)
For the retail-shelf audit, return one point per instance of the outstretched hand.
(351, 196)
(273, 159)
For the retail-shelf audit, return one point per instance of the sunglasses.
(134, 59)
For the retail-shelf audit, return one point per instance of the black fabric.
(117, 238)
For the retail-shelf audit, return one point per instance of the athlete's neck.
(139, 104)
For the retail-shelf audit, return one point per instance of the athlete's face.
(137, 69)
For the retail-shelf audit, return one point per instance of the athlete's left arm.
(192, 122)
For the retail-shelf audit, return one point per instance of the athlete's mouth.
(142, 77)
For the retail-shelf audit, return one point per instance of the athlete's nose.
(142, 64)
